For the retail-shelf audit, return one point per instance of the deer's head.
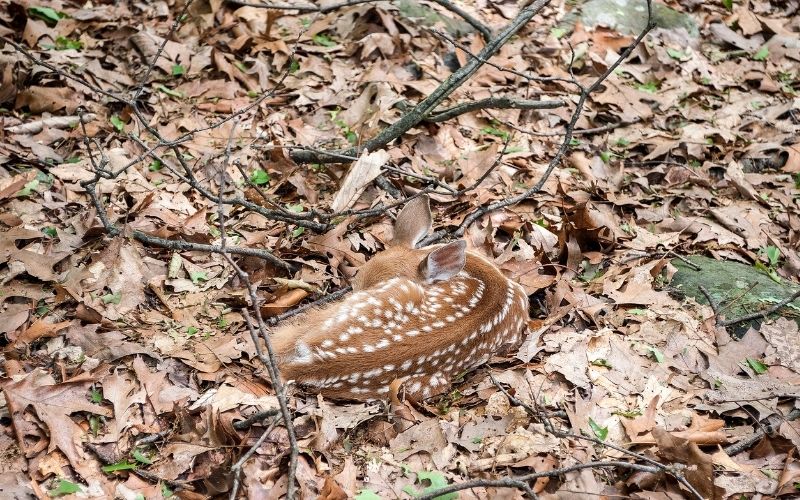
(403, 259)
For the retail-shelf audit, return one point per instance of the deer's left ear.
(444, 262)
(413, 222)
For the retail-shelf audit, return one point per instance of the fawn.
(418, 316)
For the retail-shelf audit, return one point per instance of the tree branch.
(491, 103)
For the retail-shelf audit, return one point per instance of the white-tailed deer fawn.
(418, 316)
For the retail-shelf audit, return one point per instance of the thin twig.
(514, 481)
(258, 416)
(661, 255)
(715, 307)
(581, 131)
(237, 467)
(311, 305)
(745, 443)
(302, 8)
(491, 103)
(466, 16)
(270, 360)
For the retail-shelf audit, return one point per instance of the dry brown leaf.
(364, 171)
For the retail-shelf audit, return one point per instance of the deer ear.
(444, 262)
(413, 222)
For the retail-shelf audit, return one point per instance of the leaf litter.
(113, 349)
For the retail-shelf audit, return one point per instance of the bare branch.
(269, 360)
(747, 317)
(300, 7)
(455, 9)
(491, 102)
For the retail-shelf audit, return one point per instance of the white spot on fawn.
(302, 353)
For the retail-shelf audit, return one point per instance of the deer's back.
(403, 329)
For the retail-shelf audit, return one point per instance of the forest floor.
(127, 366)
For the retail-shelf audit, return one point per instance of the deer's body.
(418, 316)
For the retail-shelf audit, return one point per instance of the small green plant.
(435, 481)
(28, 189)
(678, 55)
(762, 54)
(598, 430)
(757, 366)
(198, 276)
(260, 177)
(295, 207)
(447, 401)
(46, 14)
(118, 466)
(64, 487)
(170, 92)
(178, 70)
(94, 425)
(95, 395)
(140, 457)
(111, 298)
(601, 362)
(772, 255)
(628, 413)
(496, 132)
(656, 353)
(117, 122)
(63, 43)
(649, 87)
(606, 156)
(324, 40)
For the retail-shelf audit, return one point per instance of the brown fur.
(379, 322)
